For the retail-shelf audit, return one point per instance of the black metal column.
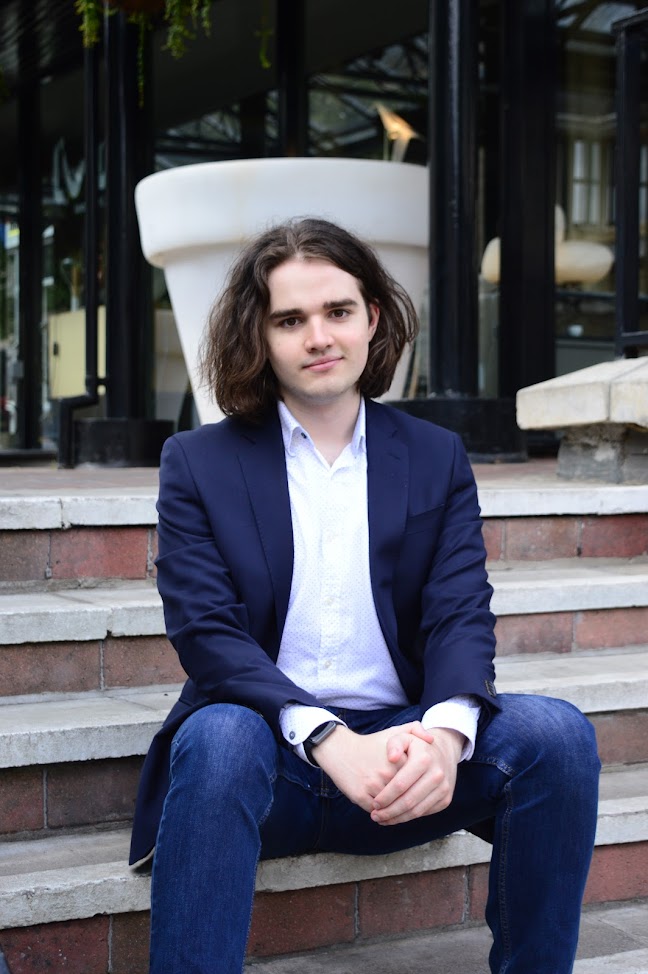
(90, 397)
(291, 77)
(453, 192)
(487, 426)
(29, 384)
(528, 195)
(129, 157)
(632, 37)
(126, 436)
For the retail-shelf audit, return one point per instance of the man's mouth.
(323, 364)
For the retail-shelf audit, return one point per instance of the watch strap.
(318, 735)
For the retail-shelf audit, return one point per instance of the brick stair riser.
(130, 661)
(565, 632)
(545, 537)
(73, 667)
(39, 801)
(48, 556)
(319, 917)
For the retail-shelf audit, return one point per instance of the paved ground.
(20, 480)
(614, 940)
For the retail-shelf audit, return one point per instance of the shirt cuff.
(298, 721)
(458, 713)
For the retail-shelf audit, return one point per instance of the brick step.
(108, 551)
(53, 728)
(81, 639)
(73, 759)
(82, 614)
(612, 941)
(76, 529)
(60, 499)
(70, 879)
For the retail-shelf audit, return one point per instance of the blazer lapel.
(387, 489)
(263, 463)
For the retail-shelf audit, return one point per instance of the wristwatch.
(319, 734)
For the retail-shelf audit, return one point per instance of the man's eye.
(339, 313)
(289, 322)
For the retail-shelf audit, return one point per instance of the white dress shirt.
(332, 644)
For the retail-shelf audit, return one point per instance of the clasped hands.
(398, 774)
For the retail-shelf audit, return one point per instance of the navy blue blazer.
(225, 568)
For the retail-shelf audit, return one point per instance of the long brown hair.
(233, 354)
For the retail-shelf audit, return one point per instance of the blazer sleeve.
(457, 626)
(206, 620)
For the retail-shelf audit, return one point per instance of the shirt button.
(292, 735)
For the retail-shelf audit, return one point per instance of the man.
(322, 571)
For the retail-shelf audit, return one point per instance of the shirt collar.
(291, 428)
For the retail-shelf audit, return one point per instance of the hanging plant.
(182, 17)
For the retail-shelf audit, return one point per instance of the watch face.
(321, 733)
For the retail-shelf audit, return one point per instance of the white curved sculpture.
(194, 219)
(576, 261)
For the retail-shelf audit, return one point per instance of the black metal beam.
(526, 353)
(452, 135)
(291, 77)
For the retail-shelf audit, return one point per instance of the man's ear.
(374, 315)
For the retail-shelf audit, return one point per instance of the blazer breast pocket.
(426, 521)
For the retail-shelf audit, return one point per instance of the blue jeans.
(236, 796)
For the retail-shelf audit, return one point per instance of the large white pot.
(194, 219)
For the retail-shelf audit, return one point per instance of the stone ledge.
(71, 877)
(603, 412)
(59, 728)
(610, 392)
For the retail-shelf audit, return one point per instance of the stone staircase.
(86, 676)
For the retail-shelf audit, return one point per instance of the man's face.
(318, 331)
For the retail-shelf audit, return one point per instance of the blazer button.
(490, 688)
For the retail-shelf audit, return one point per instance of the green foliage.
(183, 17)
(91, 14)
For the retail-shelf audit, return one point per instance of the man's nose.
(318, 334)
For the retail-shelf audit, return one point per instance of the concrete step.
(613, 940)
(82, 614)
(76, 877)
(43, 499)
(52, 728)
(58, 526)
(74, 760)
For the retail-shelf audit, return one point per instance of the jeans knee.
(552, 731)
(568, 742)
(223, 743)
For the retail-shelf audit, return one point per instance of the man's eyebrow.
(328, 305)
(287, 313)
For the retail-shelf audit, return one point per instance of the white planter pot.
(194, 219)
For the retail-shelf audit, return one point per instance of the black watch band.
(319, 734)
